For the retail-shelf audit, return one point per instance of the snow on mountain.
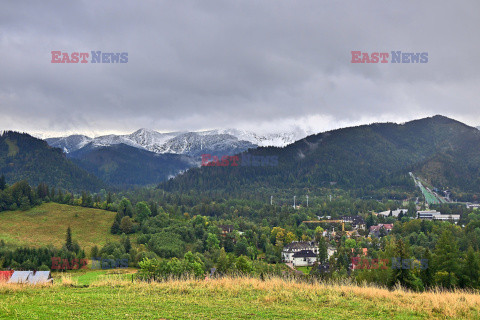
(197, 143)
(276, 139)
(224, 141)
(70, 143)
(152, 140)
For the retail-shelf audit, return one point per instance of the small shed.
(41, 277)
(20, 277)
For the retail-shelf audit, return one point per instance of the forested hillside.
(366, 157)
(123, 165)
(23, 157)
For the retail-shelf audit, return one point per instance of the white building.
(304, 258)
(435, 215)
(395, 213)
(473, 205)
(290, 249)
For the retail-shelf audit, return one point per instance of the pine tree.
(69, 242)
(115, 229)
(128, 245)
(94, 252)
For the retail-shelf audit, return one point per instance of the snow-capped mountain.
(224, 141)
(70, 143)
(277, 139)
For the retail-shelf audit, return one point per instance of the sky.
(258, 65)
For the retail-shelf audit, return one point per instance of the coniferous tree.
(127, 245)
(69, 242)
(115, 229)
(94, 252)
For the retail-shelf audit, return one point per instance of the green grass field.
(47, 225)
(305, 270)
(238, 298)
(88, 276)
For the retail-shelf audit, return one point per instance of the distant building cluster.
(425, 214)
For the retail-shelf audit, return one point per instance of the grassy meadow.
(47, 225)
(227, 298)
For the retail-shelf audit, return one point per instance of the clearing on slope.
(47, 224)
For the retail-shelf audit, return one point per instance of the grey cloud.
(213, 64)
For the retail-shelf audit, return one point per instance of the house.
(357, 222)
(304, 258)
(225, 229)
(395, 213)
(435, 215)
(296, 246)
(375, 230)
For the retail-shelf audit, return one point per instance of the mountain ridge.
(183, 142)
(365, 157)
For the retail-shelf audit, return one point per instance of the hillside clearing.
(47, 225)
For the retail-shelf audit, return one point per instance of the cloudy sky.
(262, 65)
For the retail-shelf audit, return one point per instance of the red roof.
(387, 226)
(5, 275)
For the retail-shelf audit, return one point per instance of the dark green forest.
(23, 157)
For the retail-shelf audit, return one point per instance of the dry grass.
(436, 304)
